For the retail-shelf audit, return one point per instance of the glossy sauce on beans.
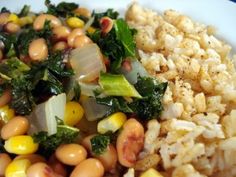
(38, 49)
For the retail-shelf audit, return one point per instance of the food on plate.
(90, 94)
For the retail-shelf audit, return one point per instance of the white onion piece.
(87, 62)
(88, 89)
(93, 111)
(43, 118)
(137, 69)
(88, 24)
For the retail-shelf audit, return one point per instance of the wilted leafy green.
(109, 13)
(117, 45)
(150, 106)
(99, 144)
(47, 144)
(62, 9)
(24, 11)
(10, 43)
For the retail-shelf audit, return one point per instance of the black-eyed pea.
(83, 11)
(90, 168)
(61, 32)
(11, 27)
(5, 160)
(4, 18)
(107, 158)
(130, 142)
(61, 45)
(5, 98)
(106, 24)
(71, 38)
(16, 126)
(71, 154)
(81, 41)
(40, 20)
(38, 49)
(40, 170)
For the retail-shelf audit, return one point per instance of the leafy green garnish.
(124, 34)
(115, 104)
(62, 9)
(109, 13)
(117, 45)
(99, 144)
(28, 35)
(24, 11)
(117, 85)
(150, 106)
(4, 9)
(10, 43)
(47, 144)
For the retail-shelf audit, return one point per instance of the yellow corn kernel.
(73, 113)
(111, 123)
(17, 168)
(91, 30)
(13, 18)
(75, 22)
(26, 20)
(151, 172)
(6, 113)
(23, 144)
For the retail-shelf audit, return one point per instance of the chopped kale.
(24, 11)
(10, 42)
(62, 9)
(150, 106)
(77, 92)
(115, 104)
(109, 13)
(47, 144)
(99, 144)
(4, 9)
(117, 45)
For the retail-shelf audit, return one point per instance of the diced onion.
(43, 118)
(93, 111)
(88, 24)
(87, 62)
(137, 69)
(88, 88)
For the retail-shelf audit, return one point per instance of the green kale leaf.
(24, 11)
(150, 106)
(117, 45)
(10, 43)
(115, 104)
(62, 9)
(99, 144)
(47, 144)
(109, 13)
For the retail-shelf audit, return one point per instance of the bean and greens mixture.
(74, 98)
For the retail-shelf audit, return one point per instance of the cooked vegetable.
(93, 111)
(62, 9)
(17, 168)
(109, 13)
(99, 143)
(117, 85)
(117, 45)
(6, 113)
(151, 172)
(112, 123)
(9, 42)
(130, 142)
(43, 118)
(115, 104)
(87, 62)
(48, 143)
(24, 11)
(73, 113)
(28, 35)
(22, 144)
(150, 106)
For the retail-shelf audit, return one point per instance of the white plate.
(220, 13)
